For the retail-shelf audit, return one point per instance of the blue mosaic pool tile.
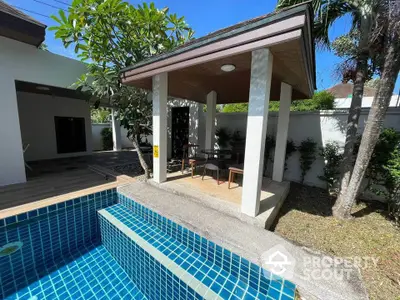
(47, 238)
(249, 273)
(208, 272)
(89, 273)
(107, 194)
(153, 279)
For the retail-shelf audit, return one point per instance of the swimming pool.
(107, 246)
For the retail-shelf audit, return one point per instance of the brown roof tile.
(8, 9)
(345, 90)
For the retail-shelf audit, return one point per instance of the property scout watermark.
(280, 262)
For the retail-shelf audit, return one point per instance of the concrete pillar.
(116, 131)
(160, 97)
(282, 132)
(260, 86)
(12, 167)
(210, 119)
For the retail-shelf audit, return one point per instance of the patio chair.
(232, 171)
(214, 165)
(191, 161)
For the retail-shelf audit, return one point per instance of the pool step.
(207, 279)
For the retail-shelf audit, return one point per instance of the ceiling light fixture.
(228, 68)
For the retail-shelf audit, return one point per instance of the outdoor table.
(211, 153)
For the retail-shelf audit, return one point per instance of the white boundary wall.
(321, 126)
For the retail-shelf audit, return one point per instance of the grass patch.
(306, 218)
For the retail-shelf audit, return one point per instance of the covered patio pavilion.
(267, 58)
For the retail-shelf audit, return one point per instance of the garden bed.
(306, 219)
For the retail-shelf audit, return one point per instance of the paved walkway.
(249, 242)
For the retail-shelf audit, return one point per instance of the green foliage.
(223, 137)
(333, 157)
(345, 46)
(218, 108)
(307, 149)
(326, 13)
(235, 107)
(112, 35)
(384, 169)
(321, 101)
(290, 149)
(269, 146)
(106, 138)
(392, 184)
(100, 115)
(387, 143)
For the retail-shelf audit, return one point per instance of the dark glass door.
(70, 134)
(180, 130)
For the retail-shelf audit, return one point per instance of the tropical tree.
(100, 115)
(111, 35)
(363, 15)
(386, 32)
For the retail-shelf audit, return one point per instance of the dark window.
(70, 134)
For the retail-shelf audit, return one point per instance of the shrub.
(392, 184)
(106, 137)
(332, 164)
(269, 145)
(290, 148)
(235, 107)
(223, 137)
(324, 100)
(307, 149)
(387, 143)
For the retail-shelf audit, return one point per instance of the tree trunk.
(354, 114)
(142, 160)
(375, 119)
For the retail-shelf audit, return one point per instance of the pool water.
(108, 246)
(89, 273)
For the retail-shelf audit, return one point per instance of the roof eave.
(225, 35)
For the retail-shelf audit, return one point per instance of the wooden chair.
(191, 161)
(212, 167)
(232, 172)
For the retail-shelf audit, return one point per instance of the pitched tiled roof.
(345, 90)
(8, 9)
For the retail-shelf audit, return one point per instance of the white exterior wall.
(36, 119)
(97, 142)
(19, 61)
(323, 127)
(366, 102)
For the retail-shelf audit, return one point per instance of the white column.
(210, 119)
(282, 132)
(116, 131)
(260, 86)
(160, 97)
(12, 167)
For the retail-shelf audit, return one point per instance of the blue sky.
(204, 16)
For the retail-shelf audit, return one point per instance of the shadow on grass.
(317, 201)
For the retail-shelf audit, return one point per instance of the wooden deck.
(59, 180)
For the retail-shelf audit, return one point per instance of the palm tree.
(362, 14)
(386, 32)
